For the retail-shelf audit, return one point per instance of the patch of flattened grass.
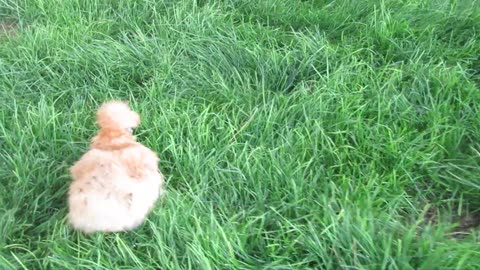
(8, 28)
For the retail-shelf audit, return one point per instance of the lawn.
(293, 134)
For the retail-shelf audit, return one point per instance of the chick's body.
(108, 197)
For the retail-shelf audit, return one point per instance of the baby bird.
(117, 182)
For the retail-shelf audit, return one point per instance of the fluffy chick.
(116, 183)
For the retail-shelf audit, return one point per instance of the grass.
(293, 134)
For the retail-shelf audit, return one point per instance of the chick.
(117, 182)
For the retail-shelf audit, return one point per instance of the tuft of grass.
(293, 134)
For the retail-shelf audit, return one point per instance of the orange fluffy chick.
(117, 182)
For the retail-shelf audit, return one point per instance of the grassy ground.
(294, 134)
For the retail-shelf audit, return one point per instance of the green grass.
(293, 134)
